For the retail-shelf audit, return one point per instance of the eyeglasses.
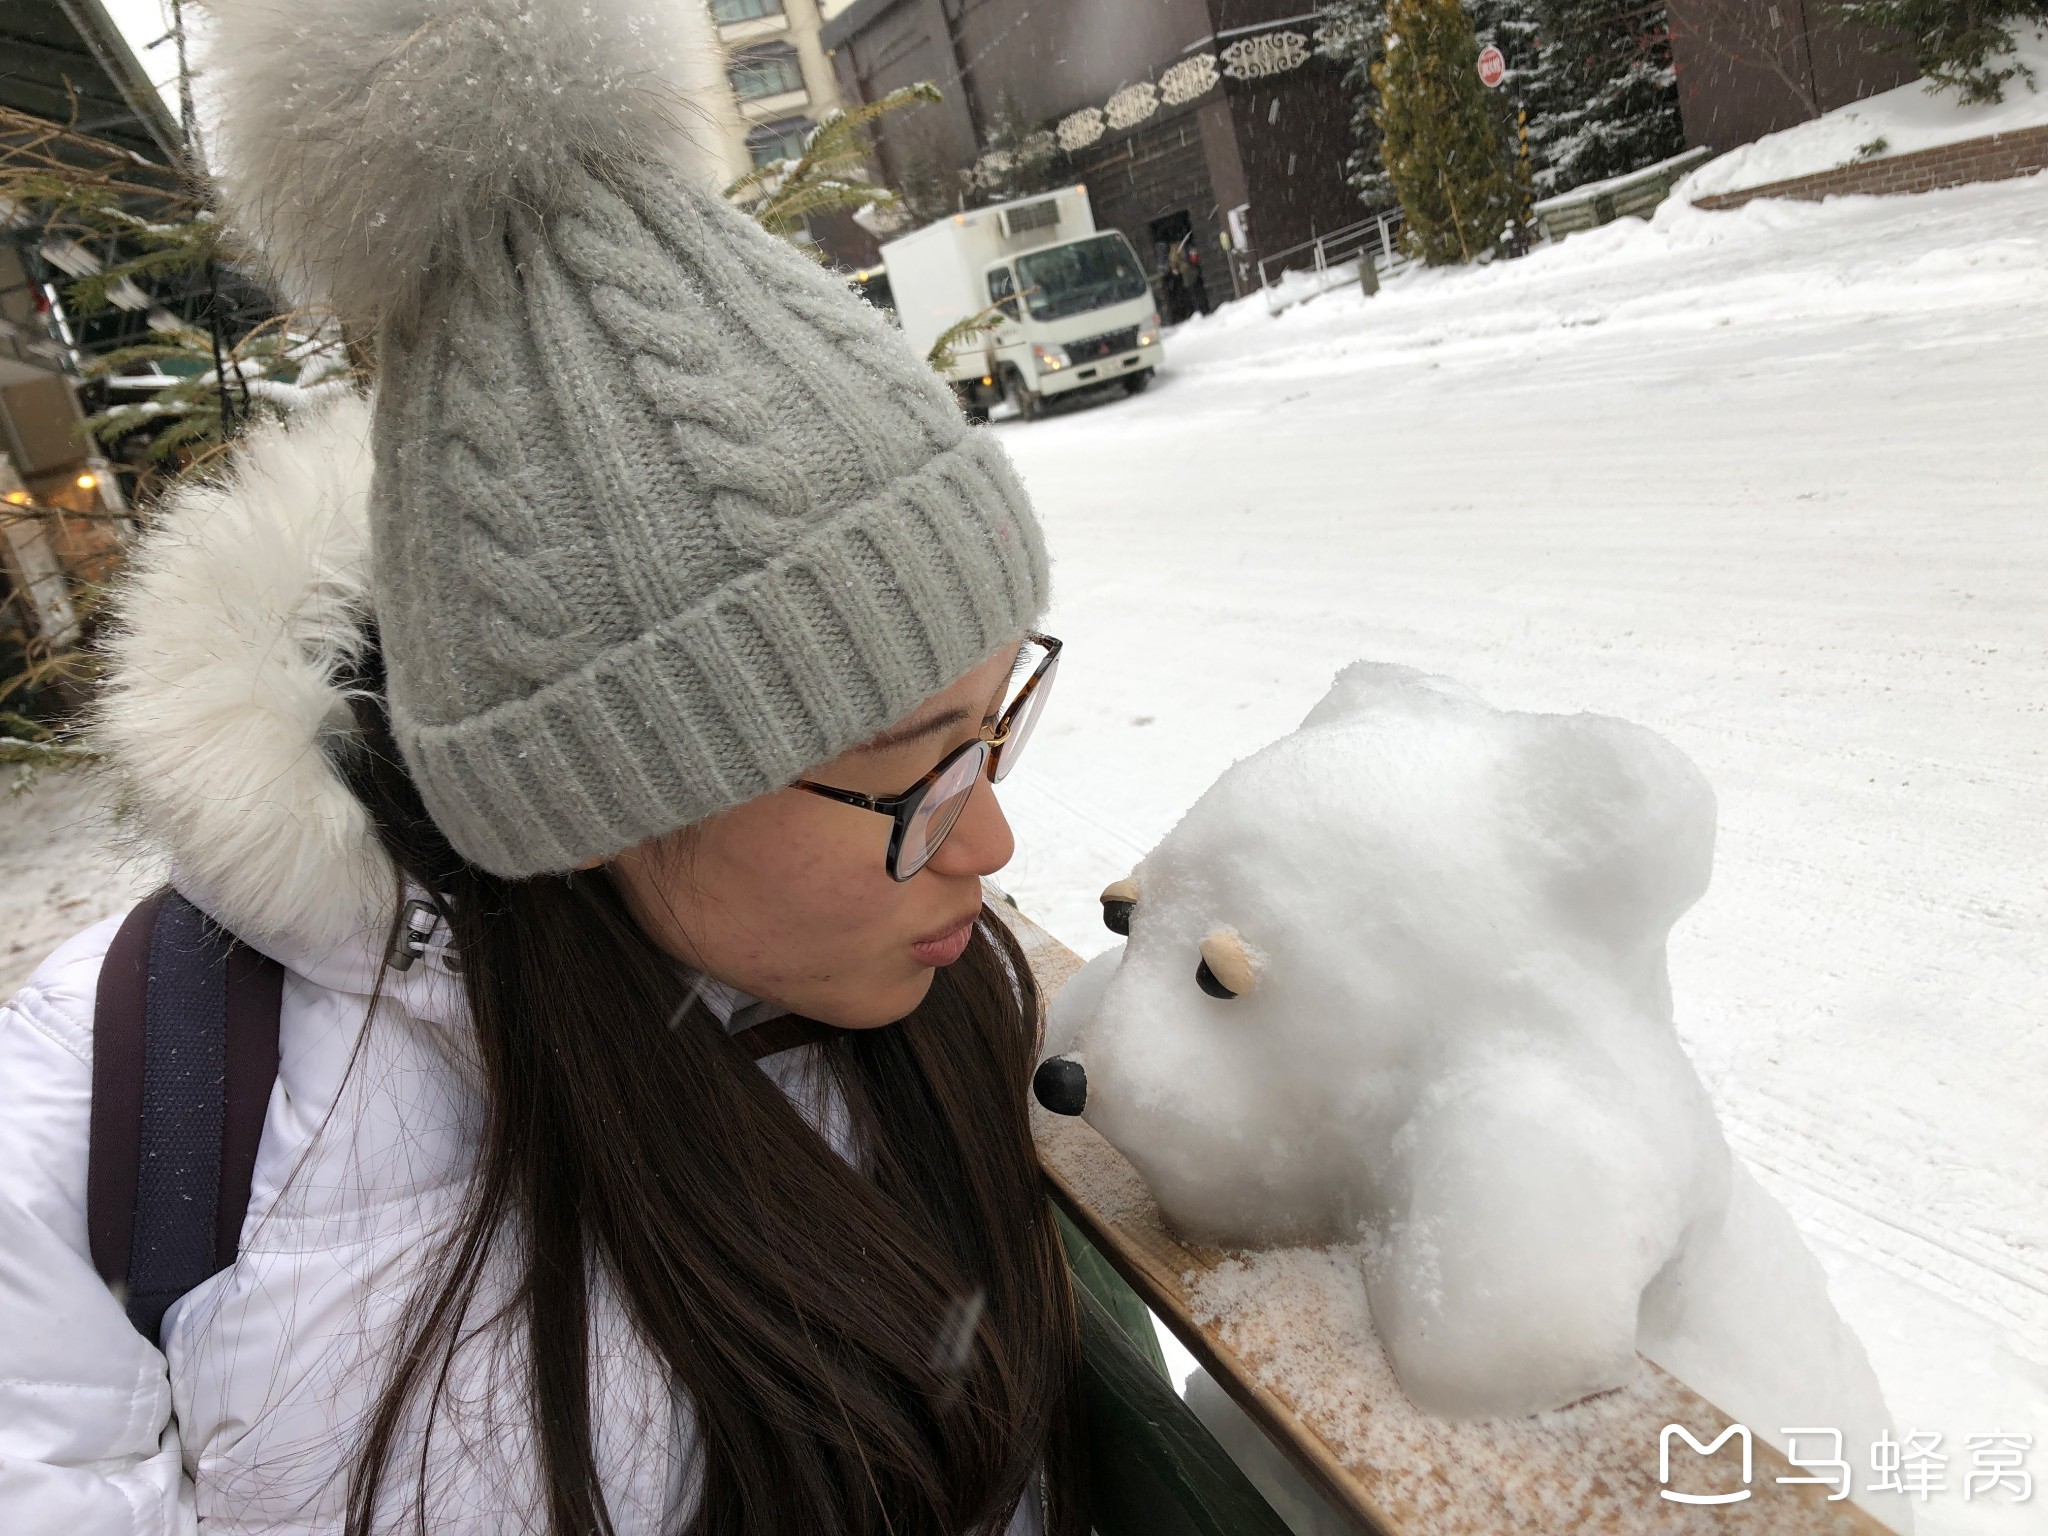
(925, 813)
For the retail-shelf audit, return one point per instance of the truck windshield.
(1072, 279)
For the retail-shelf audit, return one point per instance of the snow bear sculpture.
(1399, 979)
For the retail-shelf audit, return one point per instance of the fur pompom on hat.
(358, 139)
(662, 514)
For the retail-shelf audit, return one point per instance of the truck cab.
(1077, 315)
(1055, 305)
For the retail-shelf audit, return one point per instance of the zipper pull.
(416, 925)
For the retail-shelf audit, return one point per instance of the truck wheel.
(1136, 383)
(978, 414)
(1029, 402)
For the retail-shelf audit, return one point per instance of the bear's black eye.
(1206, 980)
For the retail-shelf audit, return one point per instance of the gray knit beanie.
(663, 514)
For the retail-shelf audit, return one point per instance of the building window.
(768, 70)
(726, 12)
(783, 140)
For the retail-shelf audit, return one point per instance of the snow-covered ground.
(1911, 117)
(57, 873)
(1773, 482)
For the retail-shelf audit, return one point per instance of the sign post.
(1493, 67)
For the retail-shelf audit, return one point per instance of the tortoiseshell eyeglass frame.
(996, 761)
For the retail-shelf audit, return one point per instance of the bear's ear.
(1367, 687)
(1119, 901)
(1227, 968)
(1620, 822)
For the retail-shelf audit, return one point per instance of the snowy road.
(1773, 482)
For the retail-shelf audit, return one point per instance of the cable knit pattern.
(664, 516)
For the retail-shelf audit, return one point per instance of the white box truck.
(1071, 304)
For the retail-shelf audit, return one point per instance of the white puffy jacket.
(247, 1420)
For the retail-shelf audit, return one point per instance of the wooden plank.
(1288, 1349)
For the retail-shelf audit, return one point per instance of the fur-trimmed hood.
(233, 637)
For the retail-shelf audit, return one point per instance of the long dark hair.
(883, 1349)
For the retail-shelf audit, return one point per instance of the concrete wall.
(1054, 58)
(898, 43)
(1293, 134)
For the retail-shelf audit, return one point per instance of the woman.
(601, 730)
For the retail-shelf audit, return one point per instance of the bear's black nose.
(1061, 1085)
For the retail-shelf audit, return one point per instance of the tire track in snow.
(1856, 1202)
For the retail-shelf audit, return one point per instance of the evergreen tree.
(1513, 27)
(1351, 36)
(1438, 137)
(1589, 93)
(1605, 97)
(1961, 45)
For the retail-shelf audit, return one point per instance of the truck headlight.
(1050, 359)
(1148, 333)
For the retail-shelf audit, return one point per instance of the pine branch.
(960, 333)
(26, 743)
(1958, 47)
(826, 177)
(72, 665)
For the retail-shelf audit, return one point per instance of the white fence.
(1332, 260)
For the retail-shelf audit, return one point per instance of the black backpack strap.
(184, 1054)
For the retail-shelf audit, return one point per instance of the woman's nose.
(981, 841)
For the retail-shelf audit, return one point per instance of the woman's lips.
(944, 948)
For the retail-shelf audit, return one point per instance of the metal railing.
(1326, 257)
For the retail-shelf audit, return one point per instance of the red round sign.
(1493, 67)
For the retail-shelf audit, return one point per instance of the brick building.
(1751, 67)
(1184, 118)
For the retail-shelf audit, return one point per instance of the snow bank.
(1298, 286)
(1911, 117)
(62, 871)
(1769, 268)
(1450, 1051)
